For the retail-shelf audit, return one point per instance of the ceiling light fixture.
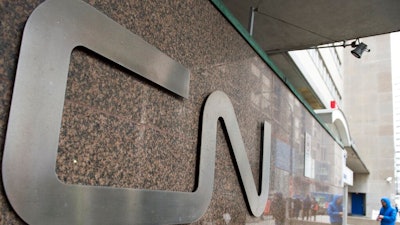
(359, 49)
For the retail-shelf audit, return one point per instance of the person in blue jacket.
(387, 214)
(335, 210)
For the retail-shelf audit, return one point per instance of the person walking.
(335, 210)
(387, 214)
(306, 207)
(297, 207)
(314, 208)
(278, 209)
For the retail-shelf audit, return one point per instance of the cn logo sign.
(30, 152)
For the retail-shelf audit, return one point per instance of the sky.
(395, 51)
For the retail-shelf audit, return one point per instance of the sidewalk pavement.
(356, 220)
(267, 220)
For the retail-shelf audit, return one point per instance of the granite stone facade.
(121, 130)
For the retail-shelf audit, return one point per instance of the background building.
(369, 108)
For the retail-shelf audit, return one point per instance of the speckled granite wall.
(122, 131)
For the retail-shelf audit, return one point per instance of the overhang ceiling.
(281, 26)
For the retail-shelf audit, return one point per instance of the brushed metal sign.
(30, 151)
